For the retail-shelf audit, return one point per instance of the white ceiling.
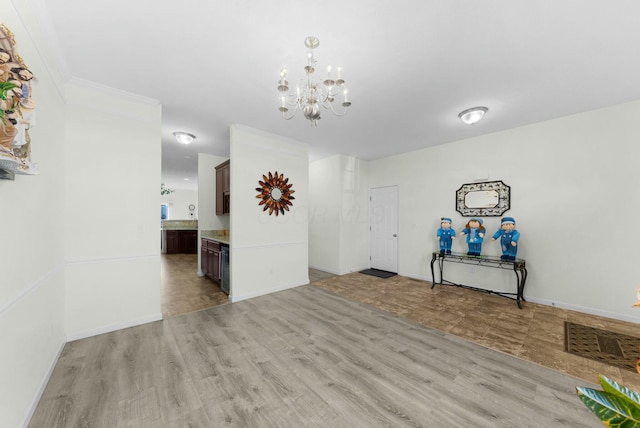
(411, 65)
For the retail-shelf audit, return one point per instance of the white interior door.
(383, 226)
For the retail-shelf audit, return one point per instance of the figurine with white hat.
(509, 237)
(445, 235)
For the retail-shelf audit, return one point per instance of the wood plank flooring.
(183, 291)
(303, 357)
(534, 333)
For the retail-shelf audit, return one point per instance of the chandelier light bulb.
(346, 102)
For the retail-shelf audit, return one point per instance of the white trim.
(25, 292)
(111, 259)
(325, 269)
(112, 91)
(277, 244)
(584, 310)
(235, 299)
(561, 305)
(299, 149)
(114, 327)
(43, 385)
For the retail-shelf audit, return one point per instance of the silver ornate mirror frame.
(488, 199)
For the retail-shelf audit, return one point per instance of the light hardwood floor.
(300, 358)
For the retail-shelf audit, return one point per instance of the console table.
(518, 266)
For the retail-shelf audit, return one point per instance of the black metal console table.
(517, 265)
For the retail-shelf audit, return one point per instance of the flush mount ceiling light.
(472, 115)
(312, 93)
(184, 137)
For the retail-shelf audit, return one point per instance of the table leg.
(521, 276)
(433, 277)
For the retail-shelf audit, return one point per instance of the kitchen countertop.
(180, 228)
(179, 225)
(221, 235)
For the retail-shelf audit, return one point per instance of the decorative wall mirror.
(488, 199)
(275, 193)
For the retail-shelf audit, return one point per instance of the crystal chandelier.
(311, 94)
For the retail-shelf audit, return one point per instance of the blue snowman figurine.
(509, 237)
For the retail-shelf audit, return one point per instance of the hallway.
(183, 291)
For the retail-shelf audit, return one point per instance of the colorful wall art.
(17, 110)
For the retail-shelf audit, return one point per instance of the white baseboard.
(324, 269)
(584, 310)
(43, 385)
(237, 298)
(563, 305)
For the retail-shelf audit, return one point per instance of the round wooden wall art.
(275, 193)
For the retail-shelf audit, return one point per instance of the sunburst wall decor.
(275, 193)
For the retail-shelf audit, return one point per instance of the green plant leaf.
(613, 387)
(615, 411)
(6, 87)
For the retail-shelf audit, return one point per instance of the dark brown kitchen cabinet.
(188, 241)
(210, 252)
(181, 241)
(171, 241)
(223, 188)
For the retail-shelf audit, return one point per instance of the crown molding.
(112, 91)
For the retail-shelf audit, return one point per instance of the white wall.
(574, 196)
(80, 251)
(112, 239)
(338, 215)
(324, 214)
(32, 330)
(268, 253)
(354, 218)
(178, 203)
